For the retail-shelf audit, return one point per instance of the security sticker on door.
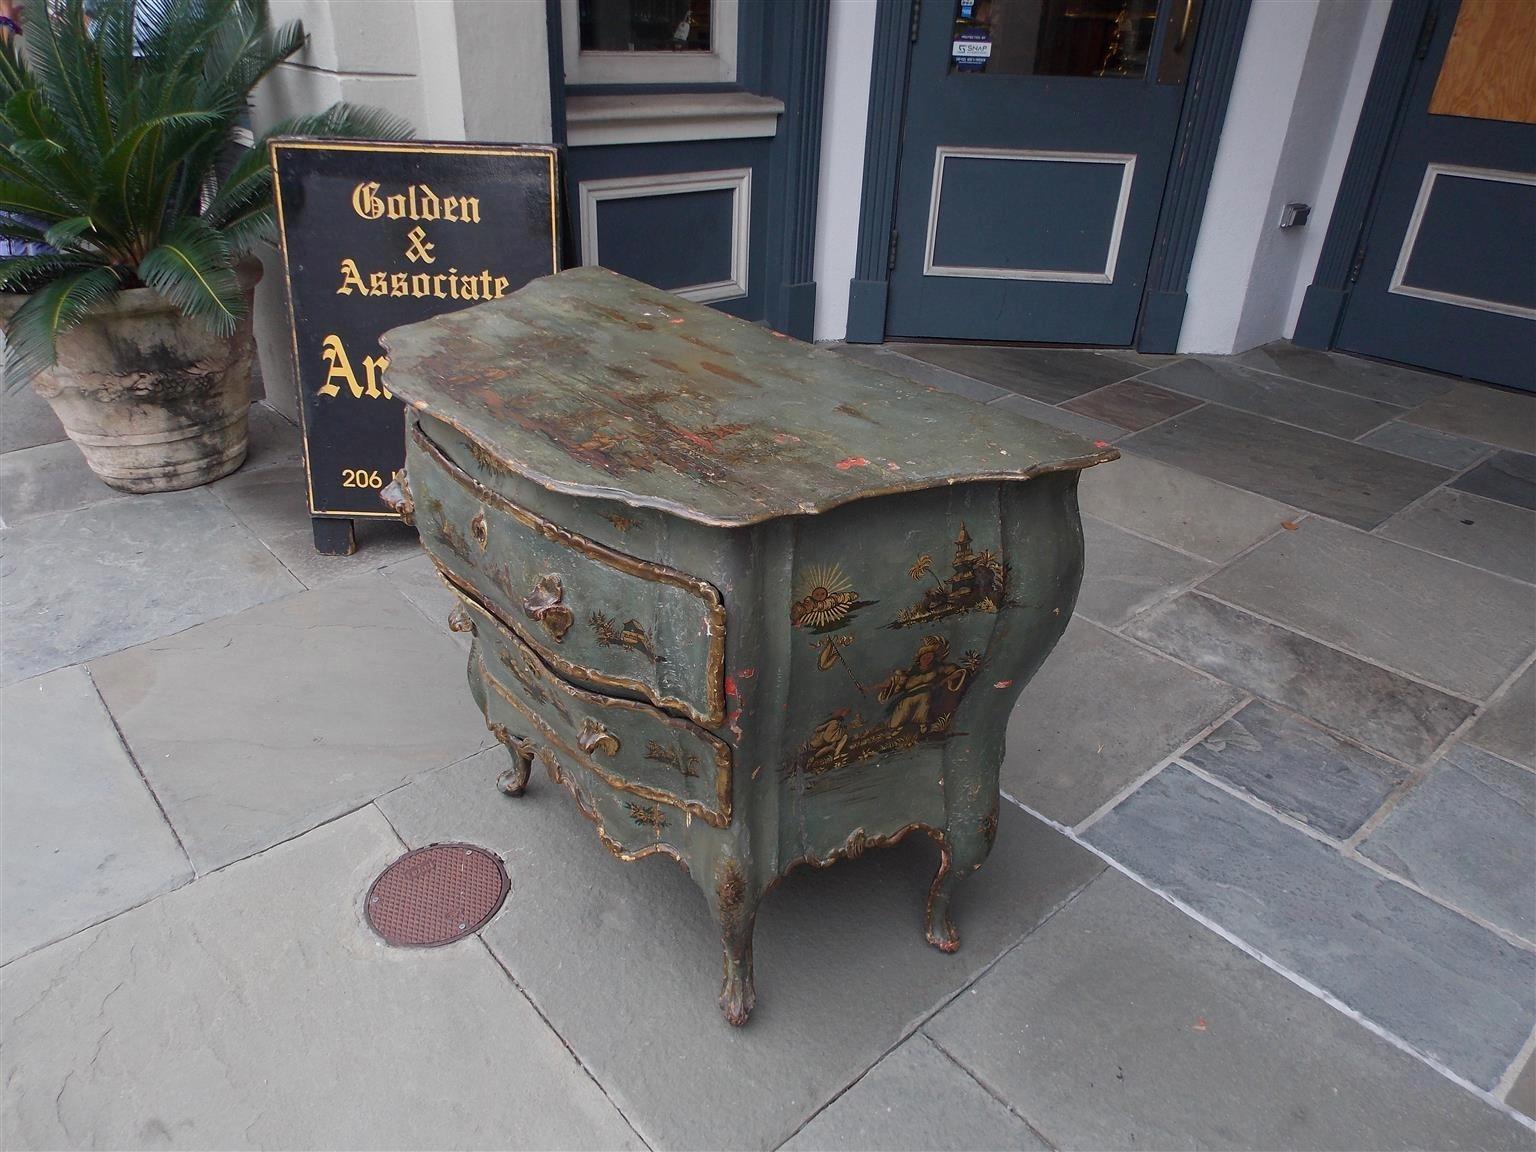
(971, 46)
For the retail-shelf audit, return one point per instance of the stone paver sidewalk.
(1268, 878)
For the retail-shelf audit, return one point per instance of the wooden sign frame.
(406, 238)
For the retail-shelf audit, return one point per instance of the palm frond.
(21, 273)
(192, 269)
(33, 333)
(65, 233)
(251, 177)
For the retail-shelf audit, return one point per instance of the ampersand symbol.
(420, 249)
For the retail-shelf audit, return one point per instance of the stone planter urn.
(155, 401)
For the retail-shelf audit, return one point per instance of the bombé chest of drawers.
(750, 603)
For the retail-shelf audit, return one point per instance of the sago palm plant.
(113, 117)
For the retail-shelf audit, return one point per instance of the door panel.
(1448, 279)
(1034, 154)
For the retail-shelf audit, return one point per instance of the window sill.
(662, 116)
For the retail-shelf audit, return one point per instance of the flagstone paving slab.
(254, 1009)
(1457, 627)
(1347, 481)
(1131, 404)
(49, 478)
(887, 360)
(1522, 1093)
(1048, 374)
(1380, 709)
(26, 420)
(272, 503)
(1124, 574)
(417, 580)
(1506, 476)
(1483, 412)
(1508, 727)
(1084, 426)
(81, 584)
(259, 726)
(1442, 448)
(1467, 833)
(916, 1098)
(1122, 1023)
(1279, 397)
(1391, 383)
(1098, 714)
(1179, 508)
(1484, 533)
(624, 961)
(1298, 768)
(82, 837)
(1451, 988)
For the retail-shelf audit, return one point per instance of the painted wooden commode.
(752, 603)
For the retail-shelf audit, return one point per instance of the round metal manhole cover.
(436, 895)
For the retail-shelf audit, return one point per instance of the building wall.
(1296, 99)
(456, 69)
(845, 106)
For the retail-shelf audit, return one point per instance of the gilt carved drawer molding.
(750, 603)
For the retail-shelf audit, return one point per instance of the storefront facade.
(1166, 175)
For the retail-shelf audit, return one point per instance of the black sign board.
(375, 235)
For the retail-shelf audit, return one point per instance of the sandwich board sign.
(374, 235)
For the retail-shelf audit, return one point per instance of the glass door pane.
(1104, 38)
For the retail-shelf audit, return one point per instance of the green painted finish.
(633, 747)
(596, 385)
(588, 610)
(865, 657)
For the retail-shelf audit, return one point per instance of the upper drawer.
(592, 613)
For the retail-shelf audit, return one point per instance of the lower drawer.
(630, 746)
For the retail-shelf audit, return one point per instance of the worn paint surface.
(801, 686)
(593, 384)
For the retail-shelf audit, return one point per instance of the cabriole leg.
(735, 910)
(971, 776)
(514, 780)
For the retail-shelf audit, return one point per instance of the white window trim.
(717, 66)
(654, 117)
(738, 181)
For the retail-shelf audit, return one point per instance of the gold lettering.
(378, 284)
(340, 368)
(373, 369)
(469, 209)
(350, 277)
(397, 284)
(502, 284)
(394, 206)
(451, 209)
(427, 208)
(469, 288)
(365, 201)
(421, 284)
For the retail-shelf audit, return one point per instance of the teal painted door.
(1036, 145)
(1448, 276)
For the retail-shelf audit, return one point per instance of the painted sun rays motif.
(824, 602)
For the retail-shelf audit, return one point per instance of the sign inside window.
(645, 25)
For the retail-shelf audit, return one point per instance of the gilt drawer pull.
(459, 620)
(595, 738)
(544, 605)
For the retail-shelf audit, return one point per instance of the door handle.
(595, 738)
(1183, 38)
